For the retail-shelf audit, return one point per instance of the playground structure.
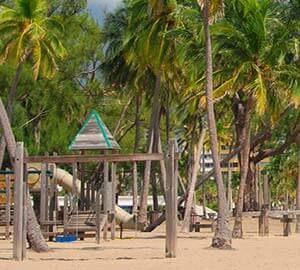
(92, 205)
(107, 194)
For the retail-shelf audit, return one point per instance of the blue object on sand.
(65, 238)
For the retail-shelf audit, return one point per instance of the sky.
(99, 7)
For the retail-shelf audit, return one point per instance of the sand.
(146, 251)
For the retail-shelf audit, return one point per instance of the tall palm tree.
(251, 43)
(26, 33)
(222, 237)
(148, 22)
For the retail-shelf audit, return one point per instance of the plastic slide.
(65, 179)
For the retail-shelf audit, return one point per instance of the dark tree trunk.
(138, 103)
(222, 237)
(34, 234)
(10, 102)
(152, 148)
(191, 191)
(242, 113)
(154, 187)
(168, 117)
(250, 196)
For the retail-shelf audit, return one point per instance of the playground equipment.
(21, 176)
(64, 179)
(24, 222)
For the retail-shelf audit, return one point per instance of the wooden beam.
(105, 199)
(98, 229)
(7, 205)
(65, 213)
(171, 203)
(266, 204)
(134, 190)
(18, 203)
(43, 194)
(74, 174)
(113, 200)
(94, 158)
(25, 194)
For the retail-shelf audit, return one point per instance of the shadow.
(220, 249)
(5, 259)
(101, 248)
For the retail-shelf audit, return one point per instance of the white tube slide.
(65, 179)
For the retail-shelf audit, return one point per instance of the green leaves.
(25, 28)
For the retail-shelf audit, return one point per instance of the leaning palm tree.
(222, 237)
(26, 33)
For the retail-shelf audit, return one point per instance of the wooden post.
(105, 199)
(43, 196)
(74, 183)
(171, 203)
(7, 205)
(229, 187)
(82, 184)
(113, 200)
(286, 224)
(25, 194)
(65, 213)
(134, 194)
(53, 207)
(88, 196)
(260, 206)
(98, 229)
(18, 203)
(266, 204)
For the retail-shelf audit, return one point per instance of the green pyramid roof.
(93, 135)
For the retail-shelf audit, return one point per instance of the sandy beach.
(146, 251)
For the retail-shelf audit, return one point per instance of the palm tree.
(26, 33)
(150, 50)
(251, 43)
(222, 237)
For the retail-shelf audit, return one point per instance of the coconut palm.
(222, 237)
(251, 43)
(150, 49)
(26, 33)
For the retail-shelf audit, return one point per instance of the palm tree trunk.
(298, 188)
(198, 150)
(152, 147)
(34, 234)
(122, 116)
(244, 140)
(142, 215)
(163, 180)
(222, 237)
(251, 190)
(137, 139)
(229, 187)
(10, 102)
